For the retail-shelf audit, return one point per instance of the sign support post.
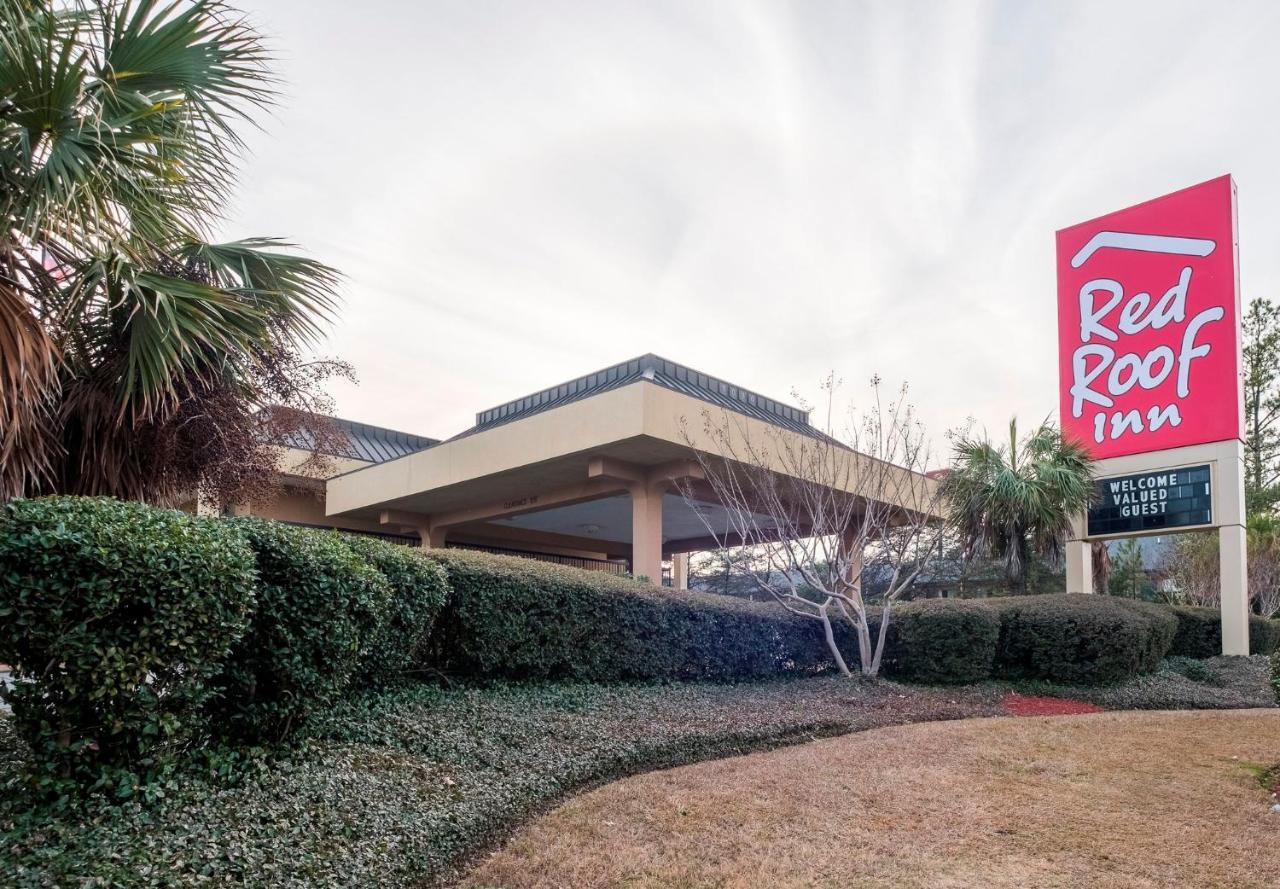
(1150, 365)
(1233, 556)
(1079, 560)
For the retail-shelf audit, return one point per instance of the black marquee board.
(1152, 501)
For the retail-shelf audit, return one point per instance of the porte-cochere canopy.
(602, 467)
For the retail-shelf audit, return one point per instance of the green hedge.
(522, 619)
(1200, 633)
(941, 641)
(418, 591)
(1275, 673)
(115, 615)
(1079, 639)
(319, 608)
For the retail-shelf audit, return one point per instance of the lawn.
(1104, 801)
(404, 788)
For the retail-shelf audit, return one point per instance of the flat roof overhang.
(553, 463)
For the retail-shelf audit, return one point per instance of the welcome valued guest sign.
(1148, 501)
(1149, 324)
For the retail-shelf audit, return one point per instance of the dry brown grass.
(1107, 801)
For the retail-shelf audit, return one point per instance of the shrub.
(942, 641)
(418, 588)
(523, 619)
(1275, 673)
(1264, 635)
(319, 605)
(115, 615)
(1199, 633)
(1080, 639)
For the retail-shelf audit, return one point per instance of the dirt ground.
(1106, 801)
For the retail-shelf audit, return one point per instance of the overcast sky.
(522, 192)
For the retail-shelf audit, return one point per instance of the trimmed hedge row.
(142, 630)
(941, 641)
(1079, 639)
(521, 619)
(319, 607)
(419, 588)
(512, 618)
(1200, 633)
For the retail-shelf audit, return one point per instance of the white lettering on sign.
(1100, 373)
(1145, 495)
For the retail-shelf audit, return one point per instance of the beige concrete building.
(588, 473)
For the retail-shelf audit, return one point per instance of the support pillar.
(1079, 566)
(1079, 556)
(852, 541)
(680, 571)
(432, 538)
(1234, 589)
(1233, 556)
(646, 532)
(206, 506)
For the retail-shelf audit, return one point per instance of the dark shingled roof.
(364, 442)
(657, 370)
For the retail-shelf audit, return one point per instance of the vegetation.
(1275, 673)
(520, 619)
(399, 784)
(1127, 573)
(1199, 633)
(1080, 639)
(418, 591)
(943, 642)
(134, 352)
(318, 612)
(820, 514)
(1191, 566)
(114, 616)
(971, 805)
(1217, 683)
(403, 786)
(1262, 406)
(1017, 498)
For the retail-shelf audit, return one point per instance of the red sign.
(1149, 324)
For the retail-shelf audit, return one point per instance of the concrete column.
(680, 571)
(646, 532)
(1079, 566)
(1233, 558)
(1233, 565)
(432, 538)
(207, 506)
(1079, 556)
(852, 543)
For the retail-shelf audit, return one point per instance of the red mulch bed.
(1031, 705)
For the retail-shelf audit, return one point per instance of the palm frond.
(27, 365)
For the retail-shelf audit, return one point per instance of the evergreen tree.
(1262, 405)
(1128, 575)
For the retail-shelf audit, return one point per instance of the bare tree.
(1191, 567)
(820, 513)
(1264, 564)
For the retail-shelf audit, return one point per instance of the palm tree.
(118, 315)
(1013, 499)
